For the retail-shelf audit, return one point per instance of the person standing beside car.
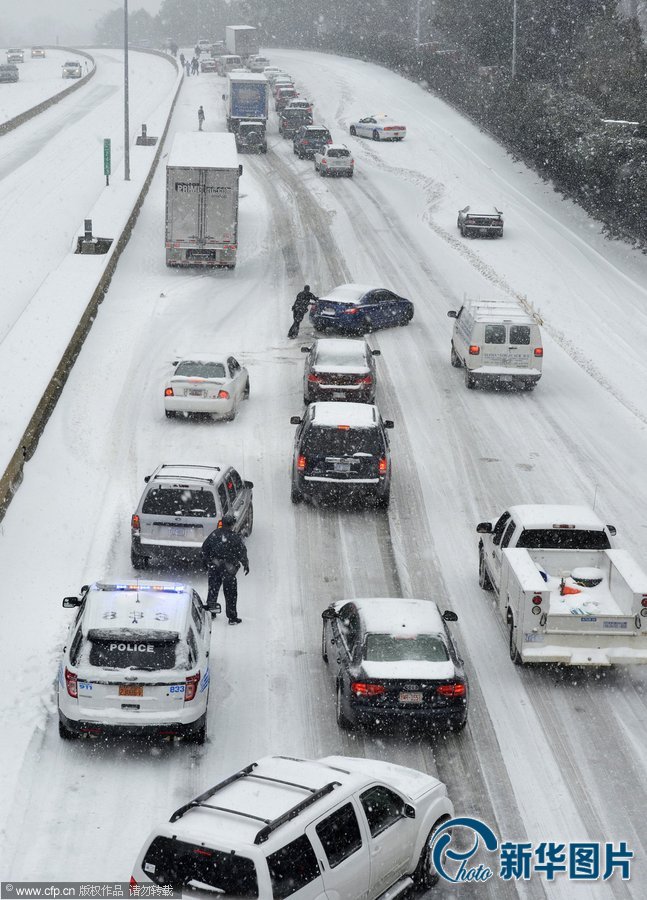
(299, 308)
(223, 553)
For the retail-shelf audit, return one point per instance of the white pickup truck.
(564, 594)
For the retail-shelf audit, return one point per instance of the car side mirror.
(70, 602)
(306, 349)
(147, 478)
(452, 314)
(249, 484)
(484, 528)
(329, 613)
(376, 353)
(295, 420)
(175, 362)
(450, 616)
(388, 423)
(409, 811)
(611, 529)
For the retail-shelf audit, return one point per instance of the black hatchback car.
(394, 659)
(339, 369)
(310, 138)
(341, 451)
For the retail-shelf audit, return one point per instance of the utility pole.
(514, 39)
(126, 111)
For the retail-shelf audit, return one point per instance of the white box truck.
(565, 595)
(242, 39)
(202, 176)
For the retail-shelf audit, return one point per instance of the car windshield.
(563, 539)
(201, 369)
(171, 501)
(180, 864)
(343, 442)
(338, 153)
(393, 648)
(132, 652)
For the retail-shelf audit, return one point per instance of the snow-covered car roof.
(338, 415)
(330, 147)
(499, 311)
(159, 606)
(72, 63)
(341, 351)
(349, 293)
(389, 615)
(482, 209)
(545, 515)
(175, 473)
(202, 358)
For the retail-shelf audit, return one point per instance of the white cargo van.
(496, 342)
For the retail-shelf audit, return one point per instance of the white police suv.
(136, 661)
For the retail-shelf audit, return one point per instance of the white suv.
(337, 827)
(334, 159)
(136, 661)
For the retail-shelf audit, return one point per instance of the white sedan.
(334, 159)
(206, 384)
(380, 128)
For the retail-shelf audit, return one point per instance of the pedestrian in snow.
(197, 50)
(195, 66)
(188, 67)
(182, 59)
(299, 308)
(223, 553)
(200, 118)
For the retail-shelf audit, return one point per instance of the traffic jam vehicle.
(486, 223)
(379, 127)
(360, 308)
(208, 64)
(337, 827)
(206, 384)
(334, 159)
(339, 369)
(15, 55)
(9, 73)
(291, 120)
(341, 452)
(38, 53)
(394, 660)
(72, 69)
(308, 139)
(136, 662)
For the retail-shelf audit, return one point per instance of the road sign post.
(106, 159)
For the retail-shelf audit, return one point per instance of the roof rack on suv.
(270, 825)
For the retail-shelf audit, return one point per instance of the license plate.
(131, 690)
(328, 311)
(338, 395)
(195, 393)
(341, 467)
(410, 696)
(180, 531)
(505, 378)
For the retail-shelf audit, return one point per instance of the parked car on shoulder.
(394, 660)
(181, 505)
(337, 827)
(72, 69)
(339, 369)
(9, 73)
(136, 661)
(341, 452)
(290, 120)
(203, 383)
(486, 223)
(308, 139)
(379, 127)
(38, 53)
(334, 159)
(360, 308)
(251, 136)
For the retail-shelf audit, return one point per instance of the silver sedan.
(214, 385)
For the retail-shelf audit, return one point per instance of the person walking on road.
(188, 67)
(182, 60)
(200, 118)
(195, 66)
(299, 308)
(223, 553)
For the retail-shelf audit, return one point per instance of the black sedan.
(394, 659)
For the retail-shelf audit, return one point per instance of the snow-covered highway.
(545, 755)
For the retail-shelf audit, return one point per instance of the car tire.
(350, 174)
(170, 413)
(425, 875)
(246, 391)
(515, 656)
(249, 523)
(455, 358)
(324, 652)
(232, 414)
(470, 381)
(342, 719)
(484, 579)
(376, 135)
(296, 496)
(138, 562)
(407, 317)
(198, 737)
(64, 732)
(353, 131)
(264, 148)
(384, 500)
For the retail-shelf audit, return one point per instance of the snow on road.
(546, 756)
(38, 80)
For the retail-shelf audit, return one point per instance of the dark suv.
(341, 450)
(290, 120)
(310, 138)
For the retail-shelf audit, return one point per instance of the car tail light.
(135, 523)
(457, 689)
(361, 689)
(343, 427)
(352, 311)
(223, 395)
(191, 687)
(219, 525)
(329, 141)
(314, 379)
(168, 392)
(368, 379)
(301, 463)
(474, 349)
(324, 162)
(71, 683)
(382, 466)
(536, 599)
(304, 142)
(133, 883)
(539, 351)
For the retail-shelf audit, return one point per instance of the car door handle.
(375, 851)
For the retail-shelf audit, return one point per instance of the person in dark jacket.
(200, 118)
(182, 60)
(223, 553)
(299, 308)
